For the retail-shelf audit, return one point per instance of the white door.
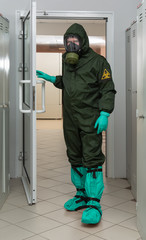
(27, 104)
(141, 121)
(4, 110)
(134, 106)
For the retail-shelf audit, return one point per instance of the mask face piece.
(73, 46)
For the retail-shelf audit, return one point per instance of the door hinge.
(20, 68)
(9, 176)
(20, 36)
(20, 158)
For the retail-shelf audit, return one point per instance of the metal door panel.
(128, 104)
(134, 106)
(29, 104)
(1, 150)
(4, 110)
(141, 120)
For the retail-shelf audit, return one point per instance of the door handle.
(21, 96)
(42, 82)
(5, 105)
(141, 116)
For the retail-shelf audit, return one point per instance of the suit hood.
(77, 29)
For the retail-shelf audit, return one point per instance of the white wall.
(125, 13)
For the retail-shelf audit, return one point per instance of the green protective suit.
(88, 89)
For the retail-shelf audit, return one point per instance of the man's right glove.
(45, 76)
(102, 122)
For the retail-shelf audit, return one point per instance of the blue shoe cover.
(91, 215)
(75, 204)
(78, 175)
(94, 187)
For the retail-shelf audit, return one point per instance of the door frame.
(90, 15)
(82, 15)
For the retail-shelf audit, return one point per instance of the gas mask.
(72, 45)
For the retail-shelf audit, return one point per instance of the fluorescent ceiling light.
(58, 40)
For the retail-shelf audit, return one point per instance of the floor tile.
(93, 238)
(41, 161)
(47, 183)
(65, 170)
(40, 170)
(64, 216)
(18, 201)
(40, 189)
(7, 207)
(47, 194)
(65, 178)
(65, 233)
(13, 194)
(36, 237)
(17, 215)
(118, 232)
(92, 229)
(122, 183)
(111, 201)
(123, 194)
(38, 225)
(49, 174)
(54, 165)
(14, 233)
(17, 188)
(131, 223)
(3, 224)
(104, 207)
(60, 201)
(110, 189)
(129, 206)
(116, 216)
(42, 207)
(64, 188)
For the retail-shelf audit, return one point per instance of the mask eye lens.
(72, 43)
(73, 40)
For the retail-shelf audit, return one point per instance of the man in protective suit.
(88, 100)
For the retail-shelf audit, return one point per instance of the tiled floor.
(48, 219)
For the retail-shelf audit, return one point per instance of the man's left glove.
(102, 122)
(45, 76)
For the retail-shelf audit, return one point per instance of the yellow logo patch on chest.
(105, 75)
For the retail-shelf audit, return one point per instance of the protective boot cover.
(94, 187)
(78, 176)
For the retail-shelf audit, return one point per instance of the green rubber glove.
(102, 122)
(45, 76)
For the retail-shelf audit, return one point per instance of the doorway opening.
(49, 50)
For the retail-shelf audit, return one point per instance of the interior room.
(35, 174)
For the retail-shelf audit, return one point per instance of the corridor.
(48, 219)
